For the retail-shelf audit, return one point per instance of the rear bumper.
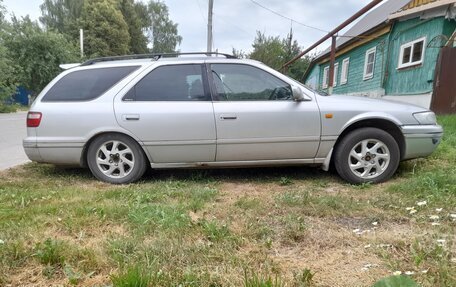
(55, 153)
(31, 149)
(421, 140)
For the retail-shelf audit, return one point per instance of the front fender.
(370, 116)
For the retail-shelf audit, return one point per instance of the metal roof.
(421, 6)
(372, 19)
(417, 3)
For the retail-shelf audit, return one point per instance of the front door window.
(237, 82)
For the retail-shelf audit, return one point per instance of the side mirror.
(298, 95)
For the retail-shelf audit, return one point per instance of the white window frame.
(344, 72)
(336, 71)
(325, 80)
(411, 45)
(369, 76)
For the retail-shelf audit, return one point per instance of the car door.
(171, 112)
(257, 118)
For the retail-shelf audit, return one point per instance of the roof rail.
(155, 56)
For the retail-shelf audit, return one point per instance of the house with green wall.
(390, 53)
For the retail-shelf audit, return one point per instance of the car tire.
(116, 159)
(367, 155)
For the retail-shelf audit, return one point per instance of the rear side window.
(171, 83)
(87, 84)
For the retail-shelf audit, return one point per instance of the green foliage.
(50, 252)
(7, 108)
(396, 281)
(215, 232)
(164, 31)
(138, 41)
(2, 12)
(285, 181)
(274, 52)
(239, 54)
(36, 53)
(62, 16)
(437, 174)
(74, 277)
(256, 280)
(7, 67)
(295, 227)
(304, 279)
(113, 27)
(269, 50)
(13, 254)
(132, 277)
(7, 78)
(106, 32)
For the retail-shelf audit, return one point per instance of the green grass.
(250, 227)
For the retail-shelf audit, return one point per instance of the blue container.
(22, 96)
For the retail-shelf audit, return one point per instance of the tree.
(36, 52)
(269, 50)
(106, 32)
(292, 49)
(62, 16)
(275, 52)
(138, 41)
(104, 22)
(238, 53)
(165, 37)
(7, 66)
(2, 12)
(8, 81)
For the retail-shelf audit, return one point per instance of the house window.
(336, 71)
(412, 53)
(325, 77)
(344, 73)
(369, 64)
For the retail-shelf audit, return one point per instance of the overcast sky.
(236, 21)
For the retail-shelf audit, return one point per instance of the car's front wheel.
(367, 155)
(116, 158)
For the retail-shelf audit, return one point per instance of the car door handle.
(130, 117)
(228, 117)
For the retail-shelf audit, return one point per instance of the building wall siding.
(388, 79)
(417, 79)
(313, 78)
(356, 83)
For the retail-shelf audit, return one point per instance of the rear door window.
(86, 85)
(171, 83)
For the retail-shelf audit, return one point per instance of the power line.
(201, 10)
(233, 25)
(288, 18)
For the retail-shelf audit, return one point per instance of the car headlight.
(426, 118)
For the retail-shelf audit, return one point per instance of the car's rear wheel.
(116, 158)
(367, 155)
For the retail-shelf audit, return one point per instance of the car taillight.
(33, 119)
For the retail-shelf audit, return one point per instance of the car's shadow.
(281, 175)
(264, 174)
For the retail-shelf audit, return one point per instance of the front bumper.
(421, 140)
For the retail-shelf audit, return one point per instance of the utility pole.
(209, 26)
(81, 42)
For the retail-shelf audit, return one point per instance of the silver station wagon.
(118, 115)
